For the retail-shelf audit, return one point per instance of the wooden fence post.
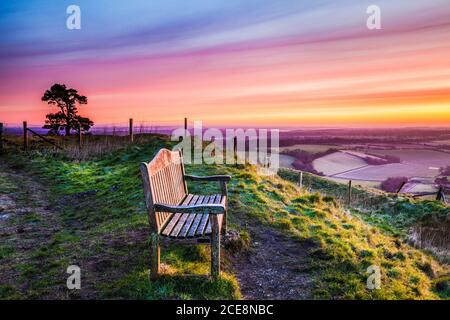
(1, 137)
(300, 179)
(235, 150)
(80, 137)
(401, 187)
(440, 194)
(443, 197)
(349, 192)
(131, 130)
(25, 135)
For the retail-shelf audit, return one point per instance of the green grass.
(104, 222)
(106, 228)
(6, 251)
(391, 212)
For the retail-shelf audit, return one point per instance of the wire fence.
(113, 129)
(81, 145)
(350, 194)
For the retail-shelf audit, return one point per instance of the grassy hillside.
(426, 223)
(104, 229)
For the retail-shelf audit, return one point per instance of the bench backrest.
(164, 182)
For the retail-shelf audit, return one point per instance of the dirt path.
(37, 246)
(27, 227)
(275, 268)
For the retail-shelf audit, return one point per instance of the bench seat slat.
(195, 224)
(190, 219)
(175, 217)
(198, 218)
(176, 230)
(184, 231)
(179, 225)
(202, 226)
(191, 225)
(169, 227)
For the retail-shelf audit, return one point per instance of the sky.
(231, 62)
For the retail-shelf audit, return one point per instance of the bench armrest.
(208, 178)
(209, 208)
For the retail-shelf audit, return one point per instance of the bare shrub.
(305, 159)
(434, 237)
(445, 171)
(379, 160)
(392, 184)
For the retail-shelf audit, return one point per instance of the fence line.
(347, 194)
(113, 128)
(130, 132)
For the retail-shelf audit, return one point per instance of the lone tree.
(67, 118)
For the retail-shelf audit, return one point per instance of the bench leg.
(154, 256)
(224, 188)
(224, 223)
(215, 247)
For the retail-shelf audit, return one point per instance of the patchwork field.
(417, 187)
(338, 162)
(420, 165)
(439, 142)
(382, 172)
(428, 158)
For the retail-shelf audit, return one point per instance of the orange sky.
(399, 75)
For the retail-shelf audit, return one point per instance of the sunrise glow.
(285, 63)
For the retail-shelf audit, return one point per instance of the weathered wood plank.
(202, 226)
(215, 247)
(214, 199)
(190, 219)
(179, 225)
(171, 224)
(154, 256)
(190, 232)
(195, 224)
(165, 174)
(208, 178)
(223, 221)
(205, 220)
(198, 219)
(187, 225)
(196, 199)
(175, 217)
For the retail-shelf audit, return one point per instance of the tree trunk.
(67, 130)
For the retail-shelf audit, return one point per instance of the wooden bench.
(176, 214)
